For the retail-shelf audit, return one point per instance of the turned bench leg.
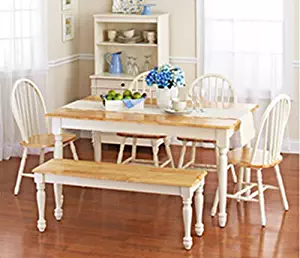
(41, 200)
(199, 227)
(58, 212)
(187, 213)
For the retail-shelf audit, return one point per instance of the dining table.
(227, 124)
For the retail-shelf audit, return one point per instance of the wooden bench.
(144, 179)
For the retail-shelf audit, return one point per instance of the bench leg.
(187, 213)
(58, 212)
(41, 200)
(199, 227)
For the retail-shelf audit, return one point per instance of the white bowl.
(128, 33)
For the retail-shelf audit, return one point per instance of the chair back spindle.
(271, 132)
(213, 88)
(28, 108)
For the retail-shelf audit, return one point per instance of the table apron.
(220, 135)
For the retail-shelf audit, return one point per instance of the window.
(244, 39)
(20, 34)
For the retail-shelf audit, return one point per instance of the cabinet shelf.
(116, 44)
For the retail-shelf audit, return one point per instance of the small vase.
(164, 97)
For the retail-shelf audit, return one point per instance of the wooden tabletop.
(159, 119)
(123, 173)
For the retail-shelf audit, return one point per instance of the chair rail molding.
(63, 61)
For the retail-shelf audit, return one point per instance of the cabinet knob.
(122, 84)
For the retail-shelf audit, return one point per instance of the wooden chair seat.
(195, 140)
(141, 136)
(242, 157)
(46, 140)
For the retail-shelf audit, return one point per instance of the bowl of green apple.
(115, 101)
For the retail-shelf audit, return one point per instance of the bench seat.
(135, 178)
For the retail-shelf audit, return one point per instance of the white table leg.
(223, 163)
(199, 227)
(187, 218)
(58, 154)
(41, 200)
(97, 146)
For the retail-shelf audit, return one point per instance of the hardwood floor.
(105, 223)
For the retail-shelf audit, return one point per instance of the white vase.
(164, 97)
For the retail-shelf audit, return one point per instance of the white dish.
(174, 112)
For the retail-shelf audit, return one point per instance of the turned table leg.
(41, 200)
(199, 227)
(58, 212)
(187, 218)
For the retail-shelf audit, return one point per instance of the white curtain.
(244, 39)
(23, 53)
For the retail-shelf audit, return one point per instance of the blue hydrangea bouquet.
(166, 76)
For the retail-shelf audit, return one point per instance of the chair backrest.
(139, 84)
(28, 108)
(213, 88)
(271, 132)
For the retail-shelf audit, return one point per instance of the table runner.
(240, 138)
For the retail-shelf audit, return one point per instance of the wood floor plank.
(106, 223)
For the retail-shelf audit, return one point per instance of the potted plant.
(167, 78)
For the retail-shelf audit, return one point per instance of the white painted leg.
(169, 152)
(155, 150)
(281, 188)
(222, 186)
(20, 172)
(182, 154)
(41, 200)
(73, 150)
(187, 218)
(261, 198)
(199, 227)
(97, 146)
(193, 153)
(247, 174)
(42, 156)
(122, 146)
(58, 212)
(134, 146)
(58, 154)
(215, 204)
(240, 180)
(234, 177)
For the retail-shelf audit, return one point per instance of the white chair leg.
(41, 201)
(193, 153)
(169, 152)
(97, 143)
(20, 172)
(134, 146)
(240, 181)
(281, 188)
(73, 149)
(215, 204)
(155, 152)
(261, 198)
(234, 177)
(122, 146)
(182, 154)
(42, 156)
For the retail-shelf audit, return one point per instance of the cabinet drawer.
(102, 86)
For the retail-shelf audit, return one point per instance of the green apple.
(137, 95)
(109, 97)
(118, 96)
(112, 93)
(127, 97)
(127, 93)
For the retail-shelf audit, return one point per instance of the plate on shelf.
(174, 112)
(134, 39)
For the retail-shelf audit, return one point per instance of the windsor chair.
(264, 154)
(212, 88)
(139, 84)
(29, 109)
